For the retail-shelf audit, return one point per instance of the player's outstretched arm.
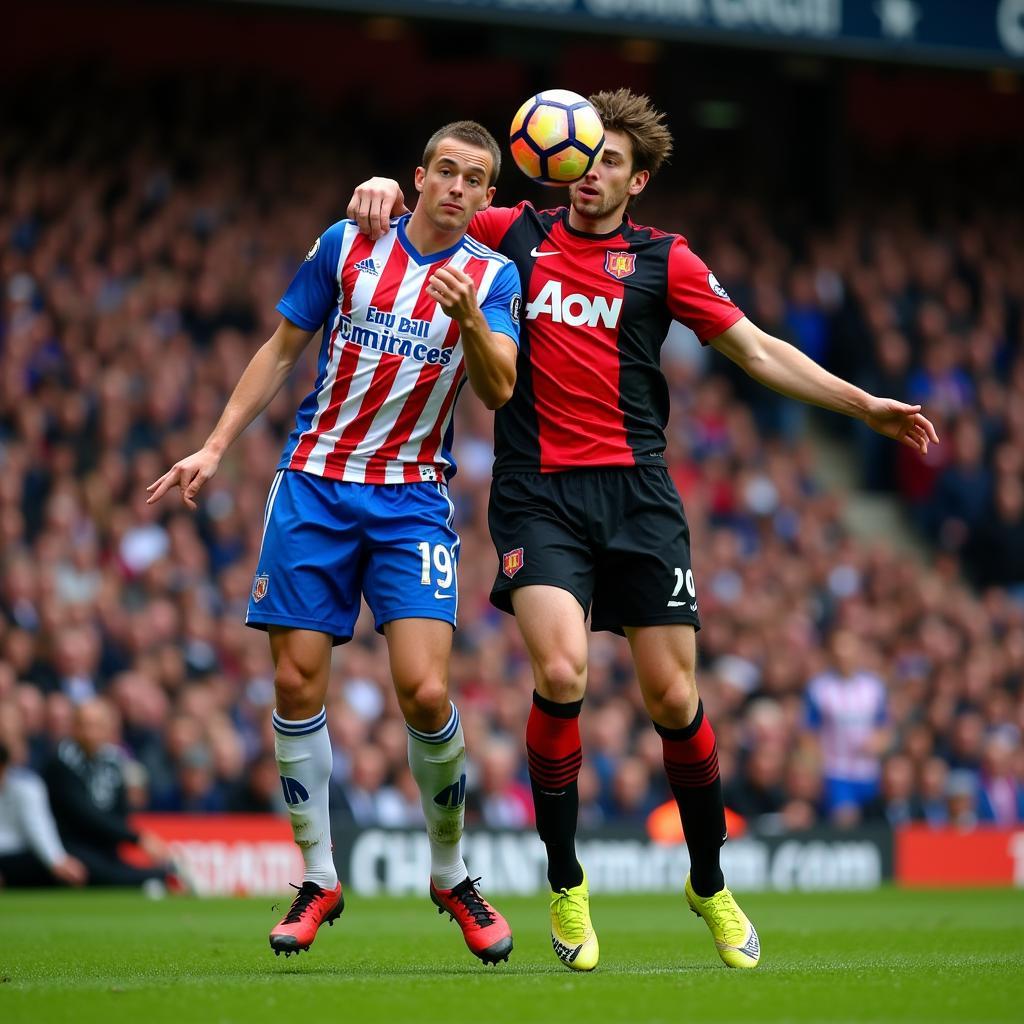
(784, 368)
(374, 203)
(490, 356)
(260, 381)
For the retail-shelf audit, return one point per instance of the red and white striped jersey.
(391, 363)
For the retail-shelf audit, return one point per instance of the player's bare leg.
(665, 658)
(554, 630)
(302, 660)
(419, 651)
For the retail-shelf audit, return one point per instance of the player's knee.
(426, 706)
(562, 678)
(675, 706)
(295, 690)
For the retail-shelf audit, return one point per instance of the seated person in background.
(897, 802)
(86, 783)
(1000, 790)
(932, 782)
(258, 791)
(757, 792)
(804, 787)
(31, 852)
(195, 789)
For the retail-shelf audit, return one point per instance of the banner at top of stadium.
(989, 32)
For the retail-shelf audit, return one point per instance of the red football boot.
(486, 932)
(311, 907)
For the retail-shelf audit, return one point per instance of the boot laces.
(722, 907)
(465, 892)
(571, 910)
(307, 894)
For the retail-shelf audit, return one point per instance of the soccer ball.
(556, 136)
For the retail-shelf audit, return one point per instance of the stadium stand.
(141, 261)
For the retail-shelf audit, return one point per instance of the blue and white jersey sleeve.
(813, 718)
(501, 306)
(313, 293)
(882, 711)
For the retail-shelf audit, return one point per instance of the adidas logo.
(567, 954)
(454, 795)
(294, 791)
(368, 266)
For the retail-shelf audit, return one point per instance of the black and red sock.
(691, 763)
(554, 754)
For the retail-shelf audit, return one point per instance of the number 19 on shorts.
(436, 558)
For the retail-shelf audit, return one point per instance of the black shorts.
(616, 539)
(24, 870)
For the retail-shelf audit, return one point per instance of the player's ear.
(639, 182)
(487, 200)
(421, 173)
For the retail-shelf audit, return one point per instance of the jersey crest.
(620, 264)
(512, 561)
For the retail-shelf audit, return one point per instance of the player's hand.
(189, 475)
(155, 848)
(374, 203)
(71, 871)
(902, 422)
(455, 292)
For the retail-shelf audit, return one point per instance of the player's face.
(456, 184)
(607, 187)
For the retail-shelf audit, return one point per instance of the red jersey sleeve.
(695, 297)
(489, 226)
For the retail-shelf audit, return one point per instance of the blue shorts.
(847, 792)
(326, 543)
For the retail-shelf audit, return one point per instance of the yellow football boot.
(572, 935)
(735, 938)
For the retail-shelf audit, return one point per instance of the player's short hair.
(466, 131)
(626, 112)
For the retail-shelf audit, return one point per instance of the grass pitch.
(884, 956)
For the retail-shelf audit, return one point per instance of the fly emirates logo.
(575, 310)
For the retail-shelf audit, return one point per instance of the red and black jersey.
(596, 309)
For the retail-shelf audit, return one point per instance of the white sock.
(438, 763)
(304, 759)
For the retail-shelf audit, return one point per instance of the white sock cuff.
(443, 735)
(283, 727)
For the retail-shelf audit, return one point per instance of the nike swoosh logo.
(442, 597)
(536, 253)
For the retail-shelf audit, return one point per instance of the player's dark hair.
(466, 131)
(5, 755)
(626, 112)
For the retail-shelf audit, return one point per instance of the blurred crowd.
(145, 237)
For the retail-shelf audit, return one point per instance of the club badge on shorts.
(620, 264)
(512, 561)
(259, 587)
